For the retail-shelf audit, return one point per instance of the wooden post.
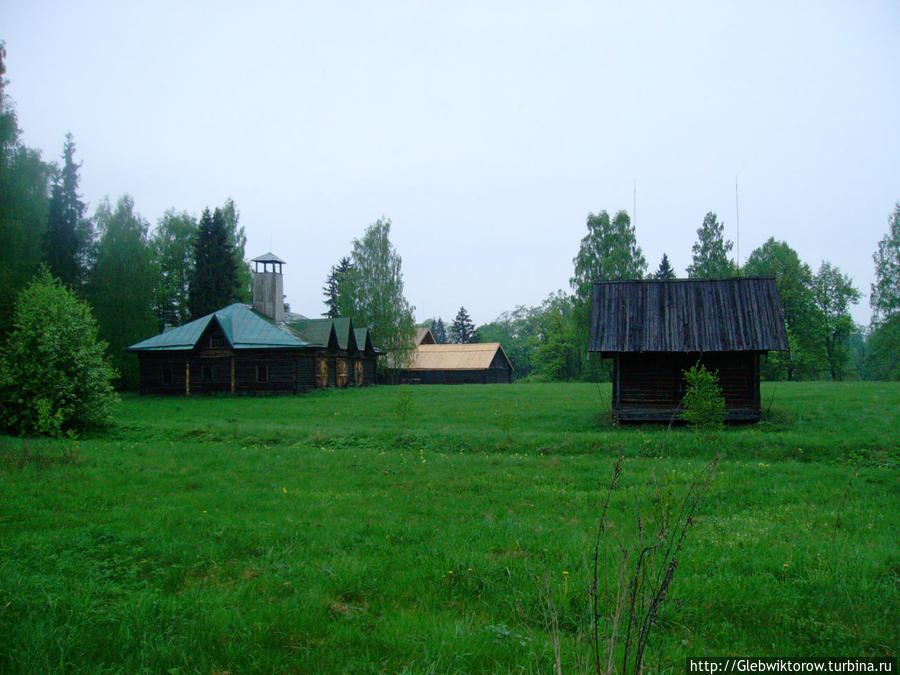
(232, 374)
(187, 377)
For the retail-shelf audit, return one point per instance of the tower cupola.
(268, 286)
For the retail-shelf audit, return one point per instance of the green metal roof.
(315, 332)
(364, 340)
(243, 328)
(343, 328)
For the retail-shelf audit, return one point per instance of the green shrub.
(54, 372)
(703, 403)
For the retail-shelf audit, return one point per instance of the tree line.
(550, 341)
(135, 278)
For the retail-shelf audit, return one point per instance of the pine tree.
(710, 251)
(439, 331)
(214, 283)
(664, 271)
(462, 330)
(337, 277)
(68, 237)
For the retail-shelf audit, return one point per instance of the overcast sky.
(485, 131)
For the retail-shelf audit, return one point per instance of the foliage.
(237, 240)
(832, 293)
(559, 353)
(439, 331)
(54, 375)
(214, 283)
(882, 355)
(609, 250)
(794, 281)
(462, 330)
(68, 238)
(885, 298)
(710, 251)
(24, 181)
(121, 287)
(333, 286)
(404, 406)
(172, 246)
(664, 271)
(703, 403)
(516, 331)
(374, 294)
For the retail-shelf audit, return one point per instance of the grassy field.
(445, 529)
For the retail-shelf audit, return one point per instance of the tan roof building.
(477, 363)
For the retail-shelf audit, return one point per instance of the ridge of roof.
(243, 328)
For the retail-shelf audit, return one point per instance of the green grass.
(332, 532)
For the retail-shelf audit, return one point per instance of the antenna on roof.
(634, 209)
(737, 213)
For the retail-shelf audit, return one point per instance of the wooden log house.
(654, 330)
(239, 349)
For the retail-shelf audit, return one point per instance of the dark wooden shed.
(654, 330)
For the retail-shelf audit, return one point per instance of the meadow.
(447, 530)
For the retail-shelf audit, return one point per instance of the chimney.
(268, 287)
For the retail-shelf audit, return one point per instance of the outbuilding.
(654, 330)
(476, 363)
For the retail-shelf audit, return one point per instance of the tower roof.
(269, 258)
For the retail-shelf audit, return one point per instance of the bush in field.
(703, 403)
(54, 372)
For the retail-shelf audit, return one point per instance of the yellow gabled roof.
(477, 356)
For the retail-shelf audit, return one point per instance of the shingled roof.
(687, 315)
(243, 328)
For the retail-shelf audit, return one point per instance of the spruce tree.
(439, 331)
(331, 291)
(462, 329)
(214, 282)
(664, 271)
(68, 236)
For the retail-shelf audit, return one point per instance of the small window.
(215, 341)
(207, 373)
(167, 376)
(262, 373)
